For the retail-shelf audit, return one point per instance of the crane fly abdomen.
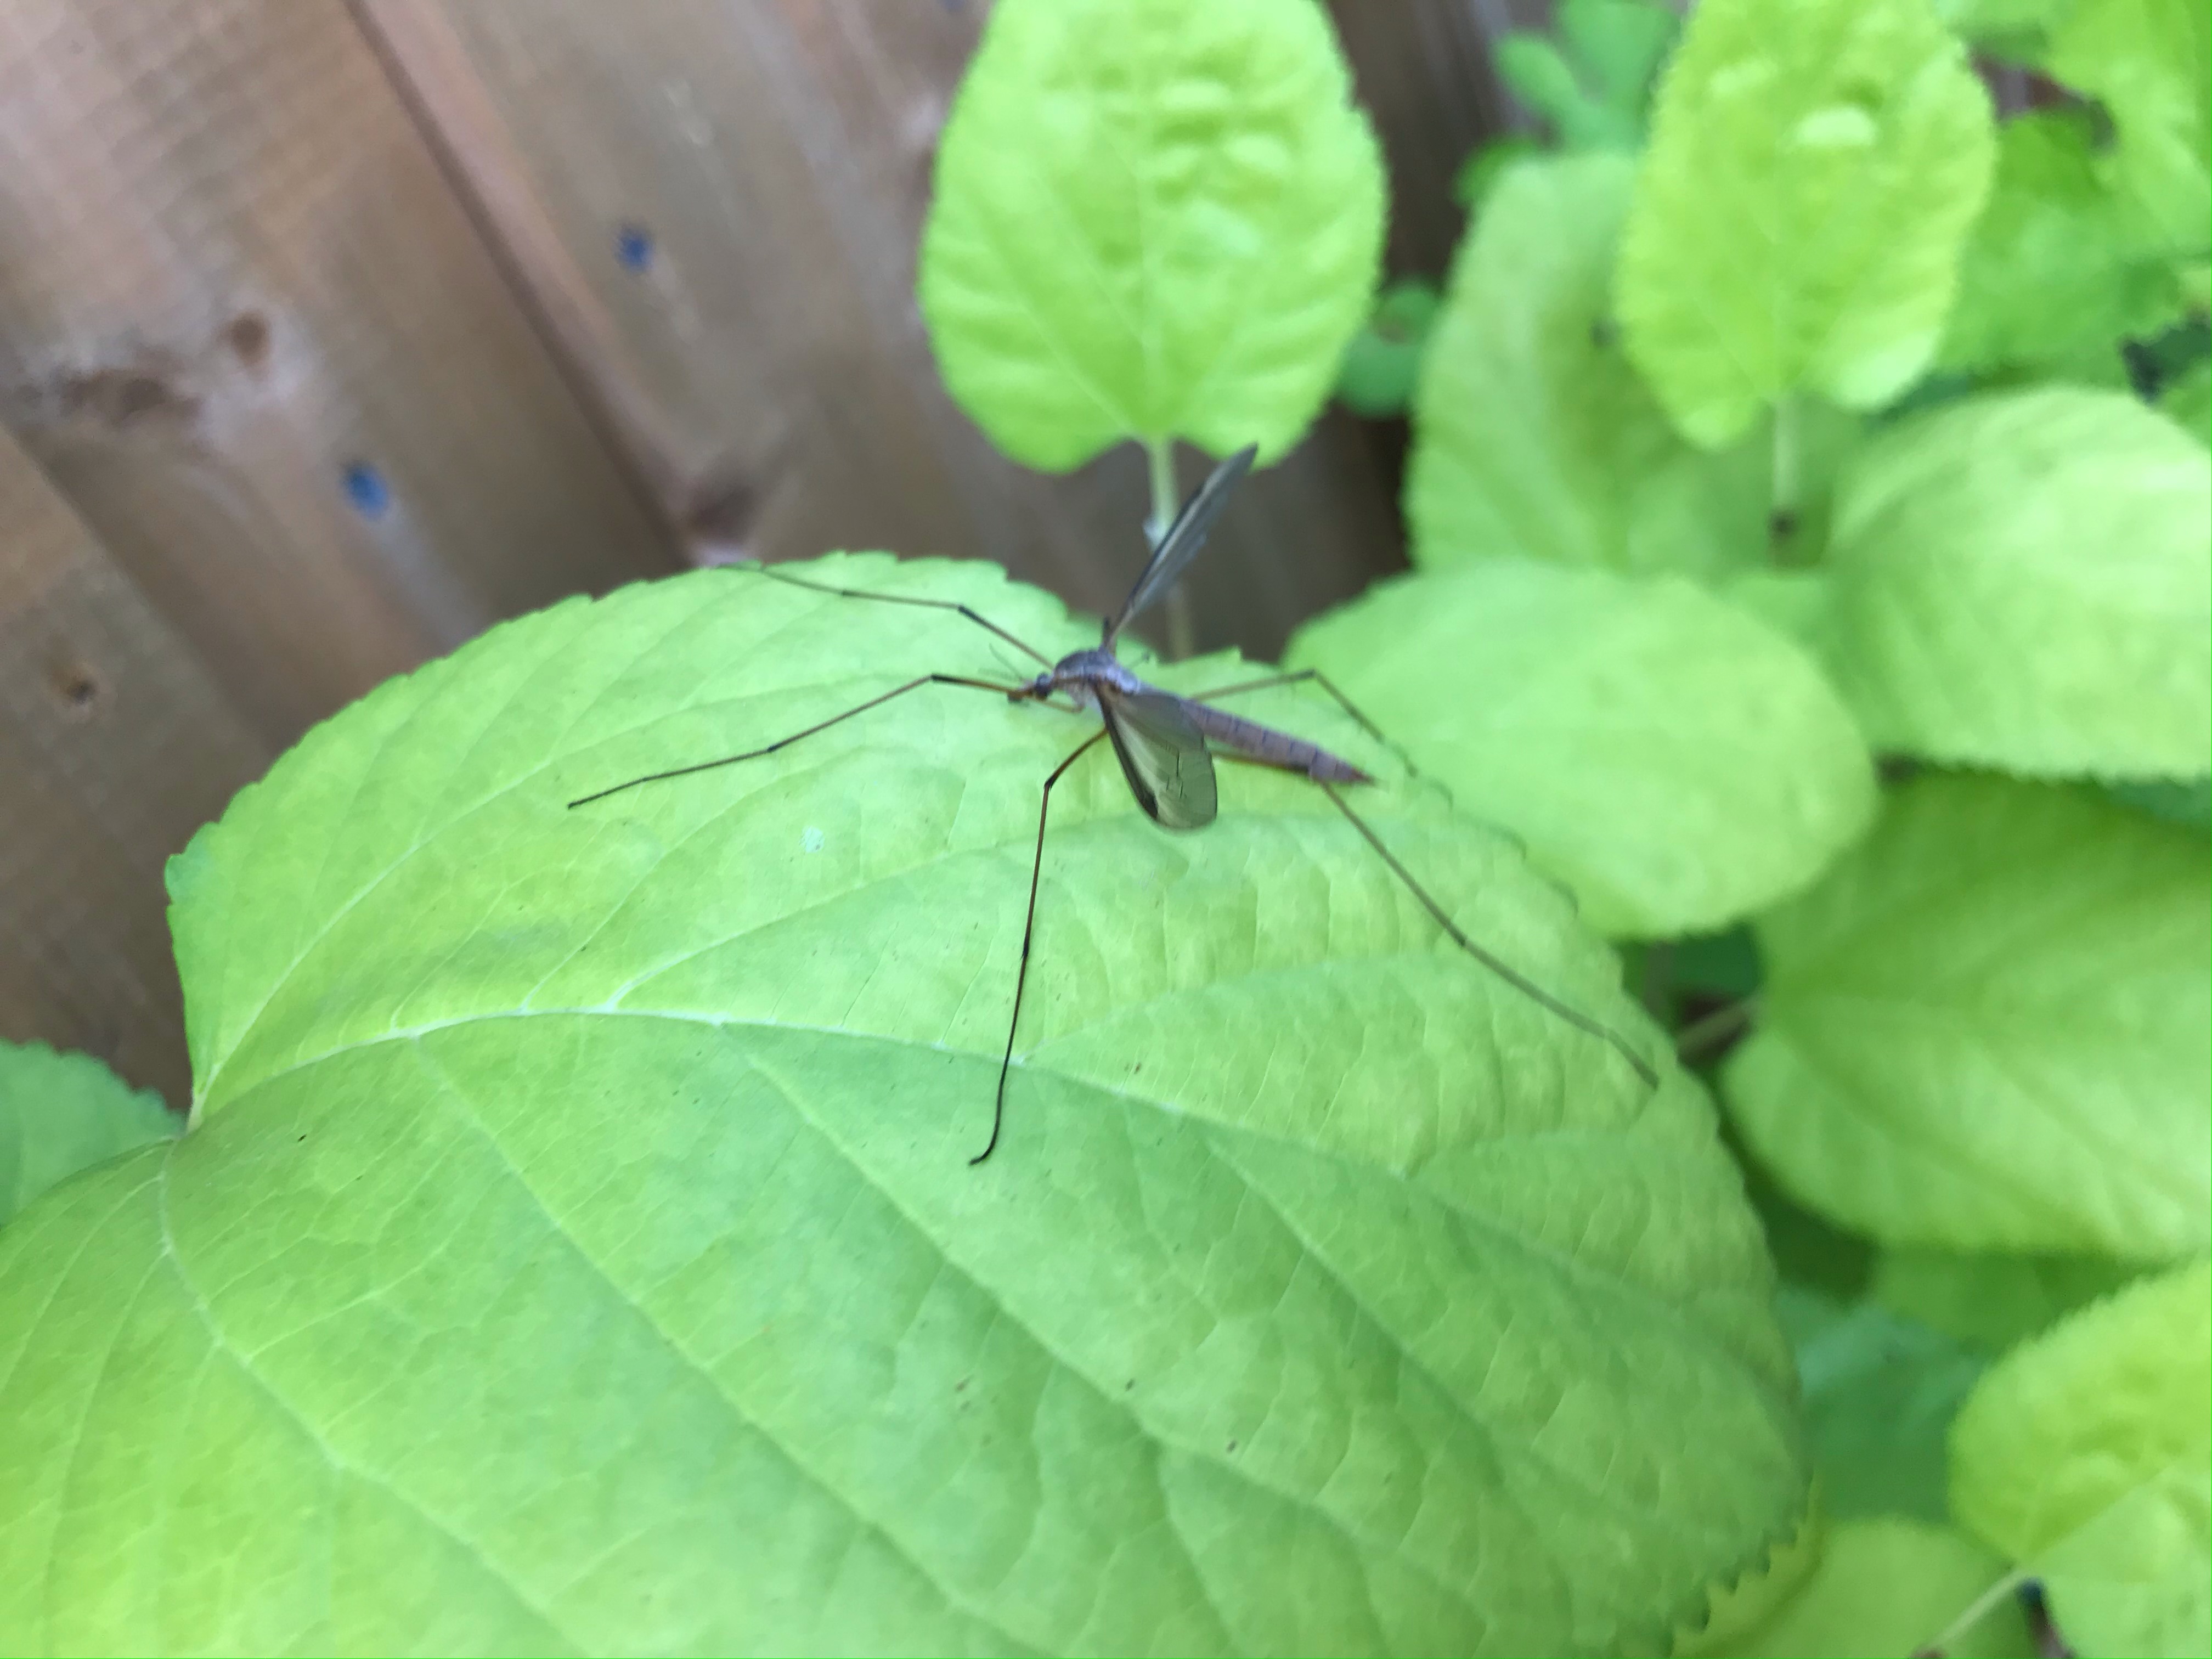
(1269, 747)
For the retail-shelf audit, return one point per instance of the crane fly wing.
(1183, 537)
(1164, 757)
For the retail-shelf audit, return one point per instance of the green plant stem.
(1701, 1037)
(1655, 982)
(1976, 1612)
(1782, 505)
(1160, 464)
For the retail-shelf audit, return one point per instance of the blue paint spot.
(365, 489)
(634, 247)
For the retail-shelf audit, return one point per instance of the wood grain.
(115, 746)
(236, 281)
(716, 205)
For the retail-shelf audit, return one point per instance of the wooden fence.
(331, 333)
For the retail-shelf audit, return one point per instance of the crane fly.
(1165, 743)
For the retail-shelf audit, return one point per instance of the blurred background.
(332, 332)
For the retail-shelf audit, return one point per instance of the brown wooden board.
(249, 331)
(716, 208)
(114, 746)
(1424, 75)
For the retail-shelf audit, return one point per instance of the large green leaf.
(577, 1246)
(2061, 267)
(1735, 1608)
(1791, 602)
(2149, 63)
(1532, 435)
(1987, 1028)
(2025, 580)
(61, 1113)
(1815, 166)
(1152, 219)
(1672, 759)
(2084, 1456)
(1886, 1585)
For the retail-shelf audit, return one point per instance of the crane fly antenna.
(953, 606)
(1028, 927)
(1511, 976)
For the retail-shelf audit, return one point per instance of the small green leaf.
(1987, 1028)
(2060, 267)
(1810, 1253)
(2178, 800)
(1618, 46)
(2019, 30)
(2084, 1456)
(1532, 435)
(1673, 761)
(1152, 219)
(2149, 63)
(2189, 400)
(1487, 164)
(1380, 365)
(2025, 580)
(1812, 173)
(1880, 1394)
(61, 1113)
(1889, 1584)
(1593, 85)
(578, 1246)
(1536, 72)
(1991, 1301)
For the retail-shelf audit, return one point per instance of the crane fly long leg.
(1511, 976)
(953, 606)
(1028, 927)
(785, 743)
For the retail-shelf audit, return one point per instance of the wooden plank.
(114, 747)
(248, 330)
(716, 207)
(1423, 70)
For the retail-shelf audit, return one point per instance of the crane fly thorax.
(1080, 672)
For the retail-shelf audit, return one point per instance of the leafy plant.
(1591, 84)
(1878, 379)
(62, 1113)
(1377, 376)
(2083, 1455)
(574, 1244)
